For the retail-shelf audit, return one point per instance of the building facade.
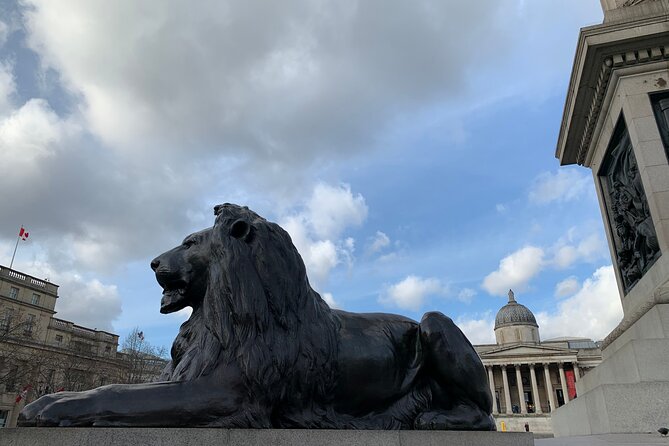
(42, 354)
(529, 378)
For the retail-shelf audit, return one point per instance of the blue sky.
(408, 148)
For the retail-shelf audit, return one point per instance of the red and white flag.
(24, 392)
(23, 233)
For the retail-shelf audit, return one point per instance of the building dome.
(515, 323)
(514, 313)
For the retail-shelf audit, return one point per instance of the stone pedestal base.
(30, 436)
(629, 390)
(615, 408)
(539, 424)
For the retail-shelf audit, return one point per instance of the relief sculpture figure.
(261, 349)
(636, 242)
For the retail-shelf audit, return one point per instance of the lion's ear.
(240, 229)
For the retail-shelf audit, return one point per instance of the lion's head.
(252, 305)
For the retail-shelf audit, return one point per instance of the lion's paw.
(460, 418)
(60, 409)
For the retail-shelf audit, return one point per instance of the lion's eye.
(189, 243)
(240, 229)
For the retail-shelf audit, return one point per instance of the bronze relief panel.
(632, 229)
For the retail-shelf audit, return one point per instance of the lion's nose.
(155, 263)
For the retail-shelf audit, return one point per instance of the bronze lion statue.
(261, 349)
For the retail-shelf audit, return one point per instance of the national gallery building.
(529, 377)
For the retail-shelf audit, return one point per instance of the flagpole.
(13, 255)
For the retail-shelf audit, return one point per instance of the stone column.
(521, 394)
(507, 393)
(549, 387)
(563, 382)
(535, 390)
(577, 372)
(491, 381)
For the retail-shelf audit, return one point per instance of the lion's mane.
(261, 315)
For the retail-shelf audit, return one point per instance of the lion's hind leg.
(461, 394)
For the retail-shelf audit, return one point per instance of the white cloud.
(565, 256)
(564, 185)
(291, 80)
(7, 86)
(329, 299)
(466, 295)
(86, 302)
(89, 303)
(378, 242)
(322, 257)
(28, 137)
(331, 209)
(501, 208)
(567, 287)
(410, 293)
(292, 85)
(592, 247)
(316, 229)
(515, 271)
(478, 330)
(569, 250)
(592, 312)
(183, 314)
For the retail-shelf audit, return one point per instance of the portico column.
(507, 394)
(577, 372)
(549, 387)
(563, 382)
(491, 380)
(535, 390)
(521, 394)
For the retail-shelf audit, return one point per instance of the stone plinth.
(254, 437)
(615, 408)
(615, 124)
(629, 390)
(538, 424)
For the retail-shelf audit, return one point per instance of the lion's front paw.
(60, 409)
(29, 414)
(463, 417)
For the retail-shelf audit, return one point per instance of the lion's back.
(379, 356)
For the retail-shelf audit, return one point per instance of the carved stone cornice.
(620, 60)
(601, 50)
(610, 64)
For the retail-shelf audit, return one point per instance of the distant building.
(529, 378)
(43, 352)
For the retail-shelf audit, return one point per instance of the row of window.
(28, 327)
(14, 294)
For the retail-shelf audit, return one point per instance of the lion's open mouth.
(173, 286)
(173, 295)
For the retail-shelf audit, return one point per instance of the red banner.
(571, 384)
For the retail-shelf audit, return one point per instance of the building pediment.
(527, 351)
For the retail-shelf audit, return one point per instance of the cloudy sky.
(408, 148)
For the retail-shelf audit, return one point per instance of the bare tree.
(18, 364)
(27, 360)
(144, 361)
